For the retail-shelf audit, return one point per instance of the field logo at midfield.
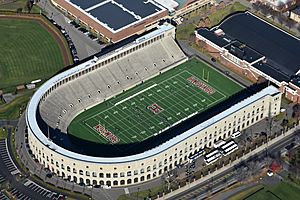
(199, 84)
(155, 108)
(106, 134)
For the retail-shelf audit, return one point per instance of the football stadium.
(137, 112)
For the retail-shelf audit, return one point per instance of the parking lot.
(18, 195)
(42, 191)
(3, 197)
(2, 179)
(7, 159)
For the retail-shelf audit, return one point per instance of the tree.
(296, 111)
(201, 23)
(222, 5)
(213, 9)
(207, 22)
(280, 19)
(29, 5)
(255, 6)
(284, 124)
(19, 10)
(265, 10)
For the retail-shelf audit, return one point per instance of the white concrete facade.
(238, 117)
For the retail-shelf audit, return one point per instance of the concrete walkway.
(84, 45)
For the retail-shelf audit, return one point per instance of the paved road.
(8, 123)
(272, 150)
(84, 45)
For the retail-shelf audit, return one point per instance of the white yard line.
(152, 86)
(180, 103)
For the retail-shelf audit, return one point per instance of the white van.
(236, 134)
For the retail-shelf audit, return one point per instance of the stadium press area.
(155, 105)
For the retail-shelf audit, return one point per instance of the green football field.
(154, 106)
(27, 52)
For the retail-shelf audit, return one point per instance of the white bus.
(236, 134)
(212, 157)
(227, 144)
(229, 149)
(219, 143)
(196, 155)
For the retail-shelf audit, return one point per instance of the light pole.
(137, 194)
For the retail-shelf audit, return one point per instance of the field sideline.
(154, 106)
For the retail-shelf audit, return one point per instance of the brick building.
(256, 50)
(115, 20)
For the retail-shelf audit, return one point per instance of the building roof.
(281, 48)
(118, 14)
(221, 41)
(269, 70)
(296, 11)
(243, 52)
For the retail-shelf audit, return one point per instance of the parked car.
(83, 30)
(270, 173)
(76, 59)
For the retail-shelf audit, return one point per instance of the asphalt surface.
(84, 45)
(6, 169)
(199, 193)
(8, 123)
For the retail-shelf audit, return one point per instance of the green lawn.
(3, 133)
(152, 107)
(283, 190)
(185, 32)
(217, 17)
(27, 52)
(12, 110)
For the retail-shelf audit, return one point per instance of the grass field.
(27, 52)
(282, 190)
(155, 105)
(3, 133)
(217, 17)
(12, 110)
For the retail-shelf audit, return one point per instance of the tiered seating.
(63, 104)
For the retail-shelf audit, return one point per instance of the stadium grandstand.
(242, 42)
(132, 78)
(119, 19)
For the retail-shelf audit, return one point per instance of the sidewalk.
(245, 157)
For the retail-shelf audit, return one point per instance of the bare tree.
(29, 5)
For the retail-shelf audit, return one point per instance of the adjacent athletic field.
(280, 191)
(27, 52)
(154, 106)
